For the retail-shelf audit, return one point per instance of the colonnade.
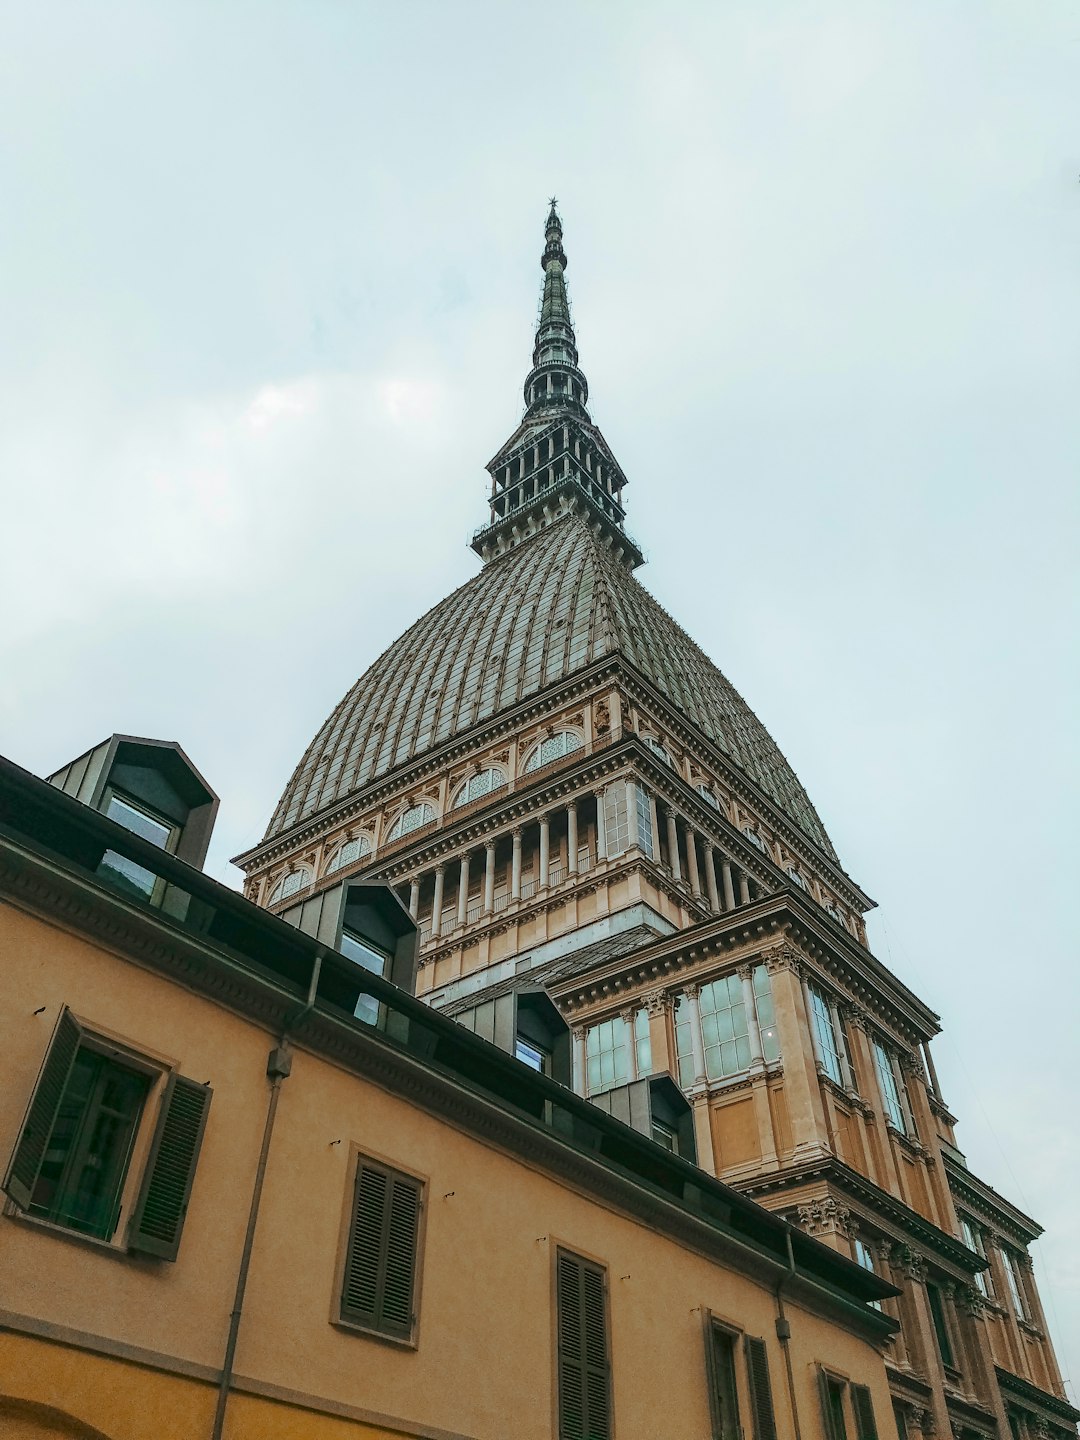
(563, 841)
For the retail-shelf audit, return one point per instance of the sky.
(268, 282)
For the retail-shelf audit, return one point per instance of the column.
(545, 849)
(710, 879)
(571, 838)
(729, 888)
(601, 827)
(673, 846)
(746, 978)
(414, 899)
(515, 866)
(658, 1006)
(744, 888)
(633, 840)
(841, 1041)
(691, 993)
(802, 1091)
(578, 1069)
(627, 1017)
(463, 891)
(436, 904)
(489, 877)
(692, 861)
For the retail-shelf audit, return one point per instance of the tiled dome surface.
(551, 607)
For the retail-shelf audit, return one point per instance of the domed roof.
(535, 616)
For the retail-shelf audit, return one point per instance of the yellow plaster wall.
(491, 1227)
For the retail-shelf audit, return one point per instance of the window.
(761, 1402)
(411, 819)
(72, 1159)
(642, 1042)
(893, 1093)
(555, 747)
(1015, 1281)
(378, 1289)
(124, 874)
(364, 954)
(796, 878)
(832, 1405)
(709, 797)
(665, 1135)
(479, 786)
(655, 746)
(828, 1042)
(723, 1392)
(348, 853)
(289, 885)
(606, 1055)
(583, 1349)
(616, 820)
(755, 839)
(863, 1404)
(724, 1029)
(941, 1325)
(533, 1055)
(646, 841)
(972, 1236)
(865, 1257)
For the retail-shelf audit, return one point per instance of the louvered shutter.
(380, 1265)
(159, 1215)
(584, 1363)
(757, 1367)
(865, 1423)
(828, 1427)
(43, 1108)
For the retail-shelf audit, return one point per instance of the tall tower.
(619, 877)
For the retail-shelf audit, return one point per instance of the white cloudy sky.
(268, 276)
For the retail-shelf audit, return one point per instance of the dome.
(530, 619)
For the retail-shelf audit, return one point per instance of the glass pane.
(127, 877)
(139, 822)
(355, 949)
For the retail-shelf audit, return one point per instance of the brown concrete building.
(618, 877)
(255, 1190)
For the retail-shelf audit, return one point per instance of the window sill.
(354, 1327)
(1030, 1329)
(74, 1237)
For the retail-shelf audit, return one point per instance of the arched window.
(754, 838)
(289, 884)
(479, 785)
(555, 747)
(709, 797)
(796, 878)
(347, 853)
(410, 820)
(658, 749)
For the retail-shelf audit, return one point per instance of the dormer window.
(754, 838)
(290, 884)
(412, 819)
(479, 785)
(555, 747)
(349, 853)
(125, 874)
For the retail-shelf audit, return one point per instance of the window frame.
(149, 1202)
(335, 863)
(713, 1326)
(277, 895)
(154, 895)
(529, 765)
(461, 793)
(393, 833)
(358, 1158)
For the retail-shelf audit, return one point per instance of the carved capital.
(577, 1032)
(827, 1217)
(909, 1261)
(923, 1420)
(971, 1300)
(691, 990)
(627, 1015)
(782, 957)
(745, 971)
(657, 1002)
(855, 1015)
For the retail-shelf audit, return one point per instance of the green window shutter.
(865, 1424)
(584, 1362)
(42, 1111)
(757, 1367)
(380, 1265)
(162, 1205)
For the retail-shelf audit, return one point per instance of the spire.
(555, 380)
(556, 463)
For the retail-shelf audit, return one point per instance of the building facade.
(617, 877)
(255, 1190)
